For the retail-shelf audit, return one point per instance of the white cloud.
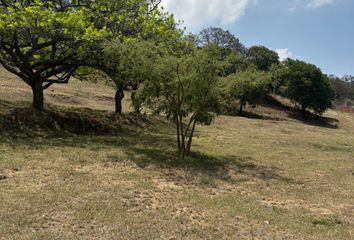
(197, 13)
(284, 53)
(319, 3)
(309, 4)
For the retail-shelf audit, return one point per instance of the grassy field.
(272, 176)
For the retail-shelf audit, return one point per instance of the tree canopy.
(263, 57)
(42, 43)
(247, 87)
(307, 86)
(222, 38)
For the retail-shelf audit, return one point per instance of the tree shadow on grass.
(200, 164)
(315, 120)
(150, 149)
(253, 115)
(144, 145)
(309, 118)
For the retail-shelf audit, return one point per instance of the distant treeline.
(344, 89)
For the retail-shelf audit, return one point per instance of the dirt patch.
(9, 173)
(193, 215)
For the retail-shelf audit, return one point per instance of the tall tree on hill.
(307, 86)
(263, 57)
(232, 51)
(222, 38)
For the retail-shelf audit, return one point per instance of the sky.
(316, 31)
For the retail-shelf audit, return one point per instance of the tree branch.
(61, 80)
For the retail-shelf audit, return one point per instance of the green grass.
(246, 179)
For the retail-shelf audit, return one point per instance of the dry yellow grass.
(281, 178)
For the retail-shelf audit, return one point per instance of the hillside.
(273, 175)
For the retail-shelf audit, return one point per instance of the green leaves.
(130, 62)
(35, 24)
(263, 57)
(307, 86)
(184, 85)
(247, 87)
(222, 38)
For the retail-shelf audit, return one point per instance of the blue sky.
(316, 31)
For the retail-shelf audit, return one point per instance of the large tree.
(307, 86)
(44, 42)
(222, 38)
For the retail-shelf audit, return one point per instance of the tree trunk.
(242, 103)
(183, 139)
(118, 100)
(178, 137)
(136, 104)
(38, 97)
(191, 138)
(303, 110)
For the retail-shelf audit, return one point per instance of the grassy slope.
(256, 179)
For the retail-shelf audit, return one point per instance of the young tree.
(248, 87)
(307, 86)
(43, 42)
(184, 88)
(263, 57)
(222, 38)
